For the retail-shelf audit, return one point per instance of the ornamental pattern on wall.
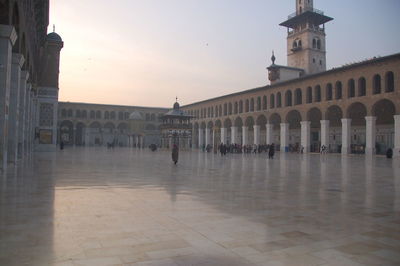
(46, 115)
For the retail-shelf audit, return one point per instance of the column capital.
(8, 32)
(256, 126)
(370, 118)
(397, 118)
(346, 120)
(234, 127)
(18, 59)
(324, 122)
(305, 123)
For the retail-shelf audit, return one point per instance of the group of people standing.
(236, 148)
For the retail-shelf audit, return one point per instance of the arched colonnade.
(355, 127)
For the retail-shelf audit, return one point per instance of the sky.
(147, 52)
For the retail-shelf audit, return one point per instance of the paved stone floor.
(128, 207)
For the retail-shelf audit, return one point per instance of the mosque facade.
(350, 109)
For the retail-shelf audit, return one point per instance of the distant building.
(176, 129)
(351, 109)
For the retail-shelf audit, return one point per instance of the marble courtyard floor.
(128, 207)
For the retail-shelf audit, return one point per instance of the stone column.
(213, 137)
(223, 135)
(370, 135)
(201, 138)
(87, 137)
(22, 111)
(284, 137)
(325, 133)
(27, 116)
(245, 133)
(269, 133)
(234, 135)
(346, 136)
(13, 118)
(8, 36)
(305, 135)
(256, 129)
(208, 136)
(396, 151)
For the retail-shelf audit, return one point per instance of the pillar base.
(396, 153)
(346, 150)
(370, 151)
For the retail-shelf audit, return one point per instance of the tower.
(306, 46)
(47, 95)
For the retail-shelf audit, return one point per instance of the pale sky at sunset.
(146, 52)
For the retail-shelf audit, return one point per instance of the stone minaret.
(47, 95)
(306, 47)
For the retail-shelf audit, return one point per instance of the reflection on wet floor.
(129, 207)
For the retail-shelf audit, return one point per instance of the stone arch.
(67, 132)
(317, 93)
(227, 123)
(203, 125)
(265, 102)
(357, 113)
(376, 84)
(298, 97)
(123, 128)
(261, 121)
(384, 110)
(218, 124)
(275, 120)
(238, 122)
(109, 126)
(309, 95)
(106, 115)
(329, 92)
(240, 106)
(293, 118)
(338, 90)
(95, 125)
(389, 82)
(252, 105)
(314, 115)
(249, 122)
(334, 114)
(351, 88)
(80, 134)
(210, 124)
(272, 101)
(278, 99)
(362, 87)
(288, 98)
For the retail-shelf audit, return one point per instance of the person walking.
(175, 154)
(271, 151)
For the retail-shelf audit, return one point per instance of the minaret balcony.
(296, 49)
(308, 9)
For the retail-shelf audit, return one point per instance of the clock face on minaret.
(306, 45)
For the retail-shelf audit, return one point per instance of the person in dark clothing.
(271, 151)
(175, 154)
(389, 153)
(61, 145)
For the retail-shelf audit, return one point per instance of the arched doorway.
(249, 123)
(262, 121)
(334, 115)
(80, 134)
(67, 132)
(122, 134)
(293, 118)
(228, 126)
(95, 134)
(384, 111)
(275, 120)
(314, 115)
(237, 138)
(357, 113)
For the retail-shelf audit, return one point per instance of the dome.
(176, 106)
(135, 115)
(54, 37)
